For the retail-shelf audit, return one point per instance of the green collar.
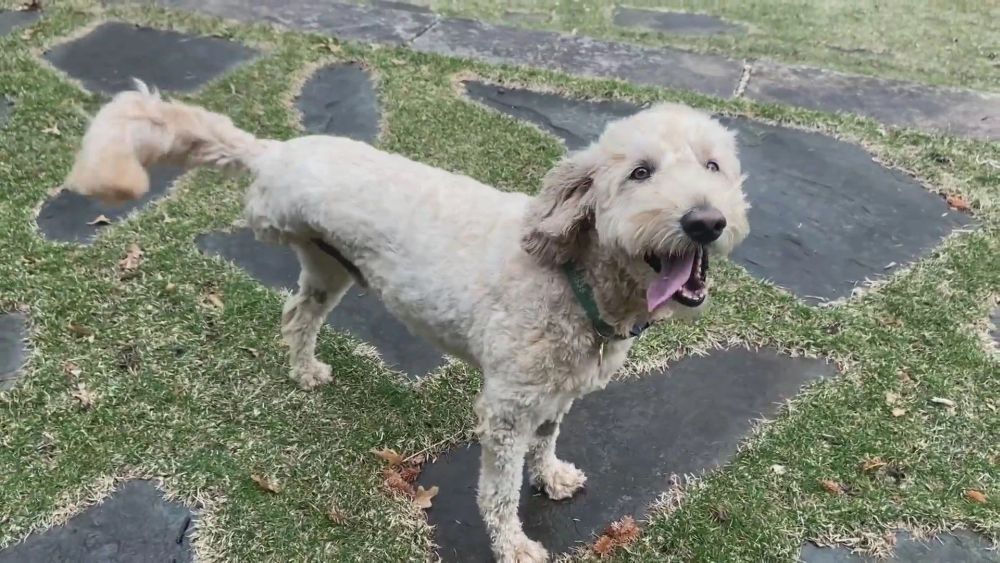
(585, 296)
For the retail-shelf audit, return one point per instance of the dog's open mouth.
(681, 278)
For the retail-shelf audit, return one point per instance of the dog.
(543, 294)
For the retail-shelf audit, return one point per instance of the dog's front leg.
(504, 433)
(559, 479)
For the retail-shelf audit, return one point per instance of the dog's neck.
(620, 298)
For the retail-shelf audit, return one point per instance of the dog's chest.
(599, 367)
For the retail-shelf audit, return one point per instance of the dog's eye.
(640, 173)
(712, 165)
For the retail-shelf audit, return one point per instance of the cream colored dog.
(541, 293)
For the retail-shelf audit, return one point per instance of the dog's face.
(662, 189)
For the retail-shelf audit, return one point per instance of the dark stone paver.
(65, 216)
(340, 100)
(12, 20)
(13, 348)
(824, 215)
(106, 59)
(134, 524)
(707, 74)
(359, 313)
(960, 546)
(677, 23)
(629, 439)
(372, 24)
(907, 104)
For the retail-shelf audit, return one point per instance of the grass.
(948, 43)
(197, 396)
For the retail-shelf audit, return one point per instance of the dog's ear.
(560, 212)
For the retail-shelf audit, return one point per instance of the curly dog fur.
(475, 270)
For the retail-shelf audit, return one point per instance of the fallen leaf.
(832, 486)
(904, 376)
(604, 546)
(170, 287)
(53, 130)
(422, 498)
(891, 398)
(84, 396)
(898, 412)
(72, 370)
(81, 330)
(778, 469)
(958, 202)
(100, 220)
(409, 474)
(335, 515)
(214, 300)
(266, 483)
(624, 531)
(395, 482)
(132, 259)
(31, 6)
(872, 464)
(942, 401)
(389, 455)
(975, 496)
(417, 459)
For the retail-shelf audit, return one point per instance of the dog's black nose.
(703, 224)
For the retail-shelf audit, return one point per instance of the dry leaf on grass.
(52, 130)
(624, 531)
(214, 300)
(778, 469)
(71, 370)
(410, 473)
(898, 412)
(958, 202)
(100, 220)
(872, 464)
(942, 401)
(978, 497)
(31, 6)
(132, 259)
(891, 398)
(395, 482)
(267, 483)
(85, 397)
(832, 486)
(604, 546)
(422, 497)
(389, 455)
(83, 331)
(170, 287)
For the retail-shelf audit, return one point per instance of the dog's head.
(660, 190)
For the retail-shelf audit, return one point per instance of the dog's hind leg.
(559, 479)
(322, 283)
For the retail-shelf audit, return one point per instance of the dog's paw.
(561, 480)
(312, 374)
(521, 549)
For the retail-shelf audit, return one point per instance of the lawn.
(950, 43)
(176, 386)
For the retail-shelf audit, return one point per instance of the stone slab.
(340, 100)
(708, 74)
(899, 103)
(960, 546)
(134, 524)
(106, 59)
(12, 20)
(13, 348)
(64, 217)
(370, 24)
(676, 23)
(359, 313)
(824, 216)
(629, 439)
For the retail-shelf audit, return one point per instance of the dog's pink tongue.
(672, 276)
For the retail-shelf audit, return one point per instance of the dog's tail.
(138, 129)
